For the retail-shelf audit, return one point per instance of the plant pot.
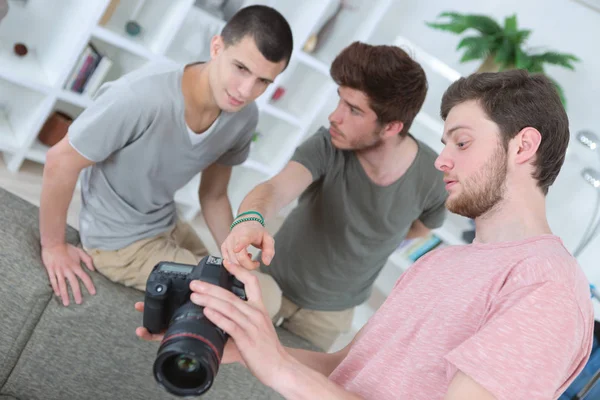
(55, 128)
(489, 65)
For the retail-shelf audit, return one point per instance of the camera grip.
(154, 314)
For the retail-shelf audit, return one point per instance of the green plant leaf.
(535, 66)
(477, 47)
(510, 25)
(522, 36)
(454, 28)
(474, 53)
(505, 56)
(458, 23)
(522, 59)
(562, 59)
(483, 24)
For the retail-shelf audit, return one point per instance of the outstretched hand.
(249, 233)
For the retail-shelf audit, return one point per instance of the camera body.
(189, 355)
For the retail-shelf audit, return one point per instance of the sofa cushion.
(86, 351)
(24, 286)
(90, 351)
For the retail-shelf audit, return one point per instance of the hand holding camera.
(200, 307)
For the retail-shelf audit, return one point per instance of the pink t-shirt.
(515, 316)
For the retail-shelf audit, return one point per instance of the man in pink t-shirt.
(507, 317)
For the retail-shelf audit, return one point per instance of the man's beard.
(364, 142)
(483, 191)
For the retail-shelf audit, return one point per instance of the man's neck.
(385, 164)
(521, 215)
(201, 109)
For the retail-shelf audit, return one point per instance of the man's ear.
(527, 142)
(216, 46)
(392, 128)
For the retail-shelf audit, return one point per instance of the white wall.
(561, 25)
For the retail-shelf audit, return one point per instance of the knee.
(271, 293)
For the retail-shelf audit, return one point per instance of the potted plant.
(500, 47)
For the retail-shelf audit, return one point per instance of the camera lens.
(189, 356)
(185, 372)
(187, 364)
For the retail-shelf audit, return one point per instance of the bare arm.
(62, 261)
(301, 383)
(462, 387)
(214, 201)
(271, 196)
(417, 229)
(267, 198)
(61, 170)
(323, 363)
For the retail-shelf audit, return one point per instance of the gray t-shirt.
(332, 246)
(136, 134)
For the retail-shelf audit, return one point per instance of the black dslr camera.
(190, 353)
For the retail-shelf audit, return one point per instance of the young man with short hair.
(507, 317)
(364, 185)
(144, 137)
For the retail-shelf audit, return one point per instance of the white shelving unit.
(32, 86)
(174, 31)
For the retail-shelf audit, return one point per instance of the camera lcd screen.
(184, 269)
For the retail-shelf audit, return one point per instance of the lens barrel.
(189, 356)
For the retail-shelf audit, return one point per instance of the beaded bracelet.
(251, 212)
(240, 220)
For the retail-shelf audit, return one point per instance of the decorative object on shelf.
(323, 31)
(278, 93)
(89, 72)
(413, 249)
(109, 11)
(3, 9)
(501, 47)
(21, 49)
(255, 136)
(55, 128)
(132, 27)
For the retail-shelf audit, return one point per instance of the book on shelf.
(413, 249)
(89, 72)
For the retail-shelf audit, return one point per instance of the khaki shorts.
(321, 328)
(132, 265)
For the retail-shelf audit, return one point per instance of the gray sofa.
(87, 351)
